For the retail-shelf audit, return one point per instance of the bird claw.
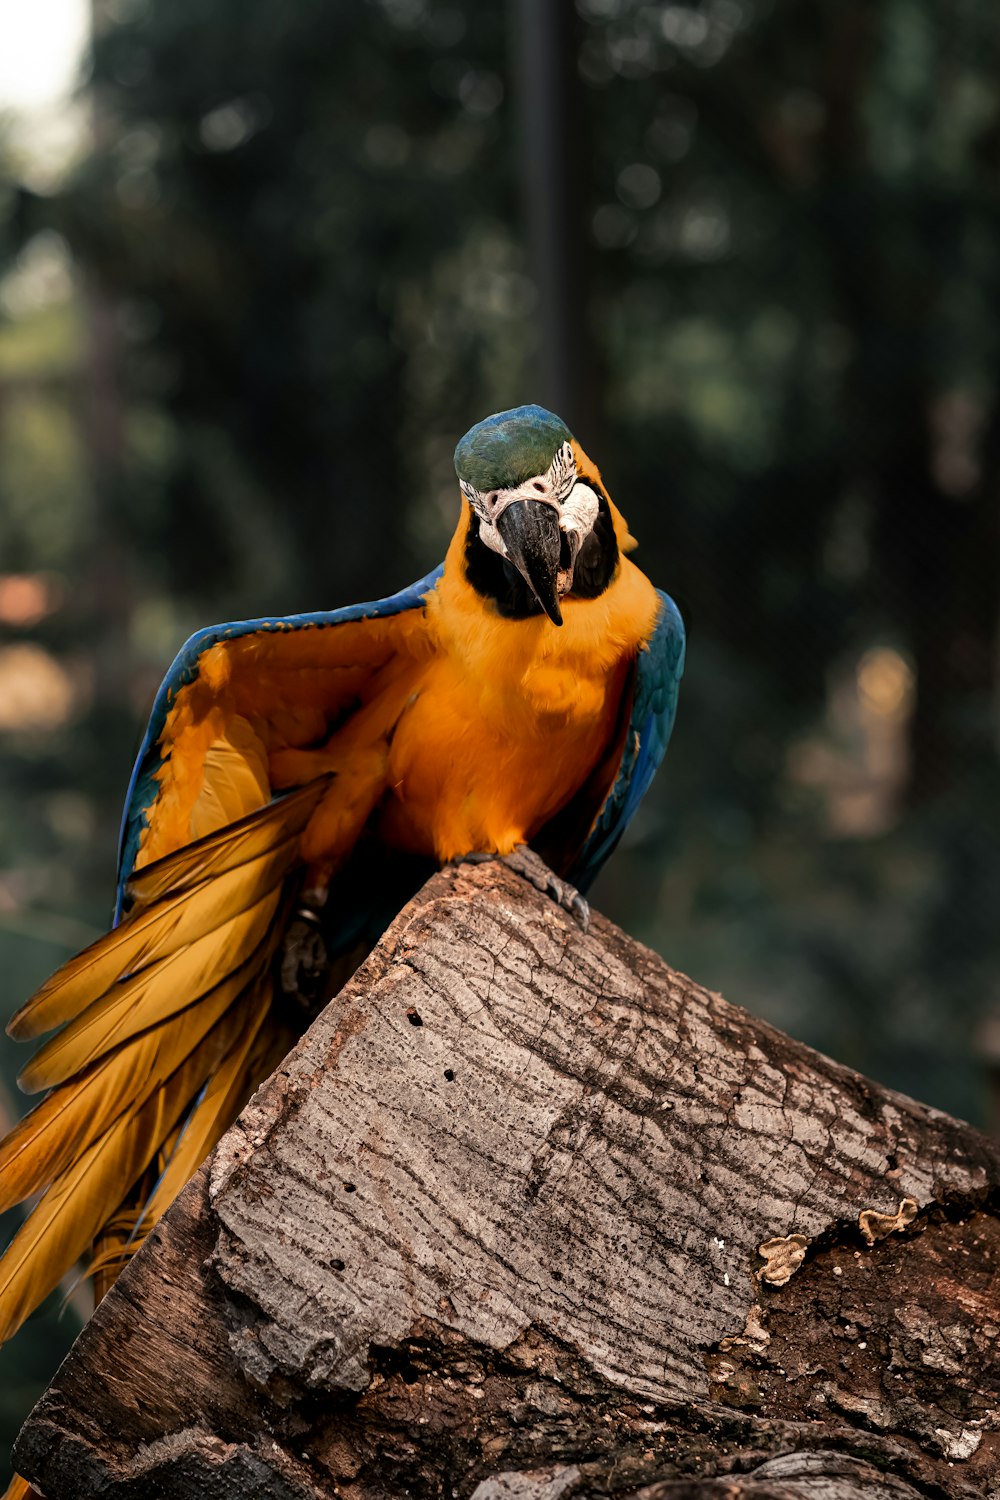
(532, 868)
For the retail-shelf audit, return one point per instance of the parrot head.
(540, 527)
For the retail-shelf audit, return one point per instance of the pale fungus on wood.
(875, 1226)
(782, 1257)
(514, 1253)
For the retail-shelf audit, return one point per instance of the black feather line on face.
(598, 558)
(493, 577)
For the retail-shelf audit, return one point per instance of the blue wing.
(143, 787)
(654, 705)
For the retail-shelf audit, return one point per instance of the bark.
(527, 1215)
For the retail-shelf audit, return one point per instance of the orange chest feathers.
(510, 718)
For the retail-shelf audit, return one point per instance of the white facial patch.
(580, 510)
(491, 538)
(576, 504)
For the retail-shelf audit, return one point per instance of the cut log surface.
(527, 1215)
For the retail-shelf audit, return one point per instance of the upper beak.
(530, 532)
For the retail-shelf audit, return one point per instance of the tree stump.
(527, 1215)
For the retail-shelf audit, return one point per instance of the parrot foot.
(304, 962)
(532, 868)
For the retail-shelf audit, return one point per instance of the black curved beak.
(530, 532)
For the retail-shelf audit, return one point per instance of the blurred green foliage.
(238, 345)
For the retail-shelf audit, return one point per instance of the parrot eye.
(553, 487)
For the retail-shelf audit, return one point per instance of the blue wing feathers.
(143, 787)
(654, 705)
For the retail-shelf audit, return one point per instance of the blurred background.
(261, 265)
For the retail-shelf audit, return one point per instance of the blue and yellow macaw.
(298, 779)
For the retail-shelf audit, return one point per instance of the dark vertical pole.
(553, 161)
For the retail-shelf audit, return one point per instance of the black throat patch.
(493, 577)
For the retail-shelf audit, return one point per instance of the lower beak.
(530, 532)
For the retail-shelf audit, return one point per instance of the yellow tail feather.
(154, 934)
(114, 1247)
(177, 1000)
(70, 1214)
(152, 996)
(228, 848)
(75, 1114)
(187, 1146)
(20, 1489)
(224, 1097)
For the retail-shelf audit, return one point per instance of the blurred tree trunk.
(942, 553)
(937, 491)
(555, 181)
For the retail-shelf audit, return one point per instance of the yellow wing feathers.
(212, 970)
(167, 1022)
(238, 844)
(131, 957)
(256, 696)
(171, 1001)
(214, 774)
